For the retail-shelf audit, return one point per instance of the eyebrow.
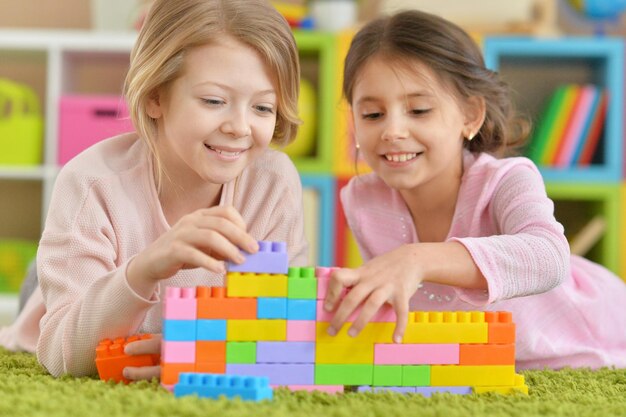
(225, 87)
(367, 99)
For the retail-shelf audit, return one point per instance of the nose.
(236, 124)
(395, 128)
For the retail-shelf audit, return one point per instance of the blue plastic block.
(272, 258)
(179, 330)
(211, 329)
(272, 308)
(249, 388)
(301, 309)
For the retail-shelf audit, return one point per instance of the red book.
(595, 132)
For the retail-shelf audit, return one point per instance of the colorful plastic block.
(355, 374)
(179, 330)
(256, 330)
(416, 376)
(387, 375)
(479, 354)
(487, 375)
(302, 283)
(279, 373)
(429, 391)
(250, 285)
(371, 333)
(213, 304)
(272, 258)
(180, 303)
(211, 329)
(240, 352)
(178, 352)
(384, 314)
(170, 371)
(111, 359)
(356, 352)
(301, 330)
(501, 327)
(518, 386)
(331, 389)
(247, 388)
(416, 354)
(271, 308)
(210, 351)
(446, 327)
(323, 275)
(298, 309)
(285, 352)
(210, 367)
(399, 390)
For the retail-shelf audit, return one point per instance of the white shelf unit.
(64, 52)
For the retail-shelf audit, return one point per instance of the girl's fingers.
(339, 279)
(347, 306)
(233, 234)
(195, 258)
(141, 373)
(370, 307)
(401, 307)
(144, 346)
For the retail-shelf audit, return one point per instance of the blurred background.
(62, 66)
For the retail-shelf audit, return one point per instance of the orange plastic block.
(211, 351)
(213, 304)
(170, 371)
(501, 327)
(211, 367)
(487, 354)
(111, 359)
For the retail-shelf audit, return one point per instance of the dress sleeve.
(84, 287)
(529, 254)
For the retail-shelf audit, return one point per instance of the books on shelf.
(568, 132)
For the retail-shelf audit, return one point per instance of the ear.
(153, 106)
(475, 112)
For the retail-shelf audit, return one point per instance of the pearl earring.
(358, 146)
(470, 136)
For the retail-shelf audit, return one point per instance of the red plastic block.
(501, 326)
(213, 304)
(111, 359)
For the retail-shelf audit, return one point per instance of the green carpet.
(26, 390)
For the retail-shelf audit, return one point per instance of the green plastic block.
(15, 256)
(415, 376)
(240, 352)
(352, 374)
(387, 375)
(301, 283)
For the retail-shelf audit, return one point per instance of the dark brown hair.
(454, 57)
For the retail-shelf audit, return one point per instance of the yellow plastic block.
(249, 285)
(371, 333)
(344, 353)
(256, 330)
(455, 375)
(519, 386)
(446, 327)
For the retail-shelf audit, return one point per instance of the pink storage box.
(85, 120)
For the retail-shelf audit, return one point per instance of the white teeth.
(225, 153)
(403, 157)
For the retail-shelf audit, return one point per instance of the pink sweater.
(103, 211)
(568, 310)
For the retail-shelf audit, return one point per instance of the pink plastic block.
(180, 304)
(323, 275)
(86, 120)
(272, 258)
(301, 330)
(279, 374)
(331, 389)
(399, 390)
(416, 354)
(285, 352)
(385, 314)
(178, 352)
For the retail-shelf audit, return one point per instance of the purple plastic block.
(279, 374)
(400, 390)
(285, 352)
(428, 391)
(272, 258)
(180, 304)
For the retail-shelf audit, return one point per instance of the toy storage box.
(86, 120)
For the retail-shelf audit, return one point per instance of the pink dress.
(568, 310)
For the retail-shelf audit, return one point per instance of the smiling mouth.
(401, 157)
(225, 153)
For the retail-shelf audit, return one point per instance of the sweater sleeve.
(83, 283)
(529, 254)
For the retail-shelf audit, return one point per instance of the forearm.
(448, 263)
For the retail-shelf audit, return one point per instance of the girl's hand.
(390, 278)
(151, 346)
(202, 239)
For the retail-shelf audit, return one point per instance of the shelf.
(553, 62)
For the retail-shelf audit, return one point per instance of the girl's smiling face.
(218, 116)
(409, 126)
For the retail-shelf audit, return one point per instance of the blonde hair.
(174, 26)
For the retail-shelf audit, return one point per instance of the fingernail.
(125, 373)
(253, 247)
(397, 339)
(352, 333)
(328, 306)
(240, 258)
(331, 331)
